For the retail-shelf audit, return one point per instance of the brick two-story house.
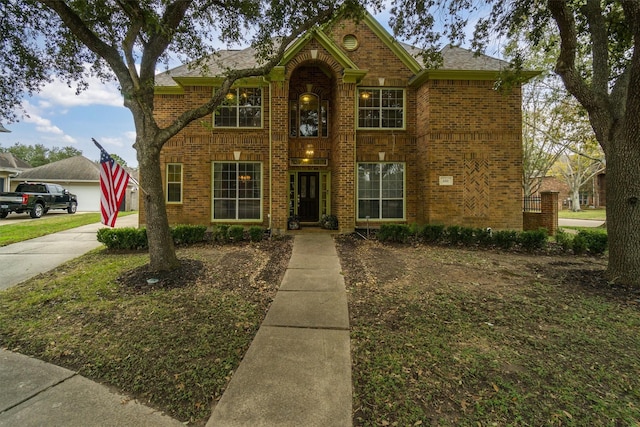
(349, 124)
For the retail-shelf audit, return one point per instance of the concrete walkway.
(297, 371)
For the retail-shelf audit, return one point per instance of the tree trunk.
(623, 206)
(162, 253)
(575, 198)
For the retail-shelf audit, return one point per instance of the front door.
(308, 196)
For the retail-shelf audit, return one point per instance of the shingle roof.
(214, 65)
(457, 58)
(454, 58)
(77, 168)
(10, 162)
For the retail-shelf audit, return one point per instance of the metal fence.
(531, 204)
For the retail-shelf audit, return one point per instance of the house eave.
(487, 75)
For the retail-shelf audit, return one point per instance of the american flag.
(113, 185)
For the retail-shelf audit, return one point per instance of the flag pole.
(135, 181)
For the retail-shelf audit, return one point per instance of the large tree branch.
(159, 39)
(599, 48)
(77, 26)
(597, 104)
(566, 63)
(632, 100)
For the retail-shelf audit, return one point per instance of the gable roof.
(77, 168)
(11, 163)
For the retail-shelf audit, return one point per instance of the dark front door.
(308, 192)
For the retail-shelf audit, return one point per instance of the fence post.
(549, 208)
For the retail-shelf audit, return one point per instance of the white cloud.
(111, 141)
(45, 126)
(58, 93)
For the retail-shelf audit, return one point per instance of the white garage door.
(88, 196)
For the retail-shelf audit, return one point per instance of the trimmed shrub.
(221, 233)
(454, 234)
(432, 232)
(236, 233)
(127, 238)
(483, 236)
(394, 233)
(256, 233)
(414, 229)
(505, 239)
(467, 236)
(579, 244)
(596, 241)
(187, 234)
(533, 239)
(564, 239)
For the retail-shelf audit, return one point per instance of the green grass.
(481, 340)
(173, 348)
(13, 233)
(595, 214)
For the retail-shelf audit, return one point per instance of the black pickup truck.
(37, 198)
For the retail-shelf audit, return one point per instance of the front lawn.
(173, 345)
(594, 214)
(453, 337)
(29, 229)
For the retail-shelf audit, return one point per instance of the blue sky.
(57, 117)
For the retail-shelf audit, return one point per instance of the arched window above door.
(308, 116)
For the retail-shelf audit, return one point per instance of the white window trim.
(404, 194)
(167, 182)
(244, 220)
(379, 89)
(237, 91)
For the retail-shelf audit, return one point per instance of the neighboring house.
(10, 166)
(592, 194)
(349, 124)
(81, 177)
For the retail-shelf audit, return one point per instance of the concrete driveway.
(21, 261)
(564, 222)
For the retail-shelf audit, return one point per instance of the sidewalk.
(297, 371)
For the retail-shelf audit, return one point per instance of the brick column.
(549, 208)
(344, 153)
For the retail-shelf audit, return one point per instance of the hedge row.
(130, 238)
(593, 242)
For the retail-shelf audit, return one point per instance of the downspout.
(270, 157)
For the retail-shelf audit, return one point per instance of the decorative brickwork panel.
(476, 185)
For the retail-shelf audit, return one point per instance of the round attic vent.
(350, 42)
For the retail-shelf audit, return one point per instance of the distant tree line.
(38, 154)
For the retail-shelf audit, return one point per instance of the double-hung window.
(241, 108)
(381, 191)
(237, 191)
(174, 183)
(380, 108)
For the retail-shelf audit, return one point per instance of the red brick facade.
(460, 142)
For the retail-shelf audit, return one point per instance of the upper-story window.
(380, 108)
(308, 116)
(241, 108)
